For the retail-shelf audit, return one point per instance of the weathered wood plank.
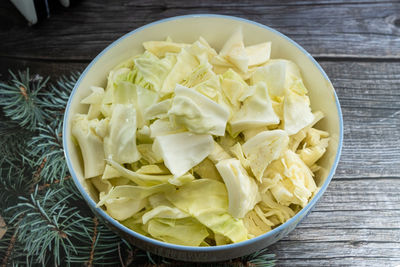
(355, 223)
(45, 68)
(370, 100)
(334, 29)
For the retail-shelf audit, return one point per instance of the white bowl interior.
(215, 30)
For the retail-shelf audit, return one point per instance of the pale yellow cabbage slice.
(297, 112)
(242, 190)
(164, 127)
(120, 144)
(263, 148)
(207, 201)
(277, 74)
(161, 48)
(158, 110)
(91, 146)
(295, 184)
(233, 87)
(183, 151)
(186, 63)
(95, 100)
(206, 169)
(197, 113)
(150, 179)
(124, 201)
(258, 54)
(185, 231)
(152, 70)
(235, 52)
(256, 111)
(141, 98)
(164, 212)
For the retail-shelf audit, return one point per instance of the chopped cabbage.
(91, 146)
(150, 179)
(263, 148)
(124, 201)
(242, 190)
(197, 113)
(297, 112)
(183, 151)
(164, 127)
(234, 51)
(256, 111)
(207, 169)
(199, 148)
(277, 74)
(164, 212)
(295, 183)
(185, 65)
(158, 110)
(258, 54)
(95, 100)
(161, 48)
(153, 70)
(120, 144)
(185, 231)
(207, 201)
(233, 87)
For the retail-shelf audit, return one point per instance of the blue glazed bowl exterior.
(186, 253)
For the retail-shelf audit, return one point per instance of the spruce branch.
(21, 99)
(59, 94)
(47, 227)
(9, 249)
(89, 263)
(14, 182)
(13, 140)
(48, 145)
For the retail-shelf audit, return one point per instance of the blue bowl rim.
(239, 245)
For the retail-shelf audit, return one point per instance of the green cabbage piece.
(186, 231)
(164, 212)
(150, 179)
(197, 113)
(207, 201)
(153, 70)
(91, 146)
(120, 143)
(124, 201)
(186, 63)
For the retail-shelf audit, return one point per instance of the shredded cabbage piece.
(196, 147)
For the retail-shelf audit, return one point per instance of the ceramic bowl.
(215, 29)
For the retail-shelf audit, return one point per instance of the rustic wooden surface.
(357, 221)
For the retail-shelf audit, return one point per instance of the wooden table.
(357, 221)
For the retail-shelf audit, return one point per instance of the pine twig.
(21, 99)
(55, 182)
(9, 249)
(89, 263)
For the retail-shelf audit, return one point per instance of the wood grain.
(357, 221)
(326, 29)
